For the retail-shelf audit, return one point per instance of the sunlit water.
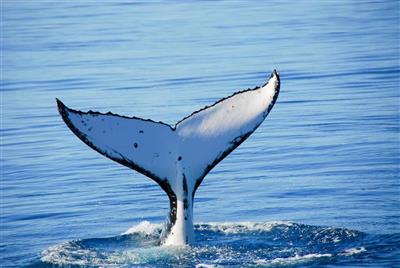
(316, 184)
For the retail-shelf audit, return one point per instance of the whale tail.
(176, 157)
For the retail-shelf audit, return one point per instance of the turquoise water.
(316, 185)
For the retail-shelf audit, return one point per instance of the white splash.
(68, 253)
(242, 227)
(353, 251)
(293, 260)
(145, 228)
(205, 265)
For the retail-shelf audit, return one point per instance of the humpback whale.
(176, 157)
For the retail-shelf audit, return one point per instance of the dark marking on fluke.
(185, 193)
(172, 208)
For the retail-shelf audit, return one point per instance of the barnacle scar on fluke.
(176, 157)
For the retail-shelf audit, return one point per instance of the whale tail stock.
(176, 157)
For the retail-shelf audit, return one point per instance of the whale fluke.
(176, 157)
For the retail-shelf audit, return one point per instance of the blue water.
(316, 185)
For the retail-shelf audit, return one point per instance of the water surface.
(320, 177)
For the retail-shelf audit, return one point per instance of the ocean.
(316, 185)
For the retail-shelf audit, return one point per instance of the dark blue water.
(316, 185)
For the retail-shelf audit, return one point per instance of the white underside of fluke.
(178, 157)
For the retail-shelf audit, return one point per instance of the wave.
(217, 245)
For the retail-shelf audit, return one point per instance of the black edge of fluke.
(274, 72)
(60, 105)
